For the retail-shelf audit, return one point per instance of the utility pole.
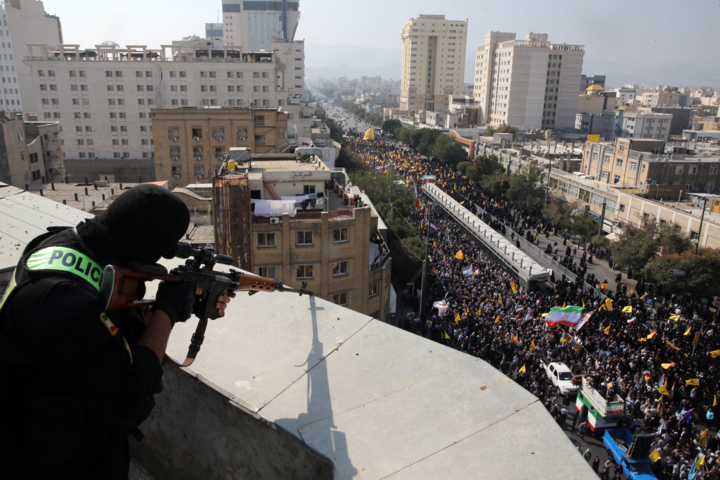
(702, 217)
(425, 261)
(602, 217)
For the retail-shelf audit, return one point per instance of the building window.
(259, 139)
(689, 186)
(633, 166)
(268, 272)
(340, 268)
(709, 186)
(616, 179)
(340, 235)
(340, 298)
(373, 289)
(303, 272)
(619, 163)
(266, 239)
(304, 238)
(678, 170)
(713, 170)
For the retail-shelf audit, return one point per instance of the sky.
(627, 34)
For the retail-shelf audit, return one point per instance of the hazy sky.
(626, 32)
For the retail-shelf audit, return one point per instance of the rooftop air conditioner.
(274, 220)
(174, 139)
(197, 139)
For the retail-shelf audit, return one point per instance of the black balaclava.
(140, 225)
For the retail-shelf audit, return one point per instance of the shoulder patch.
(108, 324)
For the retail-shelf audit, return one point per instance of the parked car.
(561, 377)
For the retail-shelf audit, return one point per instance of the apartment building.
(647, 166)
(590, 80)
(433, 62)
(626, 95)
(292, 221)
(22, 22)
(627, 122)
(267, 26)
(103, 96)
(30, 151)
(191, 143)
(664, 97)
(529, 84)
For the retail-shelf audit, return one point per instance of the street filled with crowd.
(637, 344)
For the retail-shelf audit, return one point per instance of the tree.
(463, 166)
(583, 224)
(392, 126)
(527, 187)
(671, 240)
(448, 150)
(427, 143)
(700, 279)
(496, 183)
(348, 161)
(484, 166)
(559, 213)
(406, 258)
(636, 245)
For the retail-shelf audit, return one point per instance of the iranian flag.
(574, 317)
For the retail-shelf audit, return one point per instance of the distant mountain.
(352, 61)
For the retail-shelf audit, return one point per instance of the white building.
(527, 83)
(626, 95)
(636, 123)
(433, 62)
(22, 22)
(103, 96)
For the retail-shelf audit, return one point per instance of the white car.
(560, 376)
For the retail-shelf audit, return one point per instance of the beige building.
(104, 105)
(644, 165)
(433, 62)
(191, 143)
(22, 22)
(529, 84)
(664, 97)
(334, 244)
(30, 152)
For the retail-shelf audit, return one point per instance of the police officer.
(76, 381)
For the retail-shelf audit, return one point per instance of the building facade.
(103, 105)
(589, 80)
(22, 22)
(640, 123)
(30, 152)
(191, 143)
(529, 84)
(433, 62)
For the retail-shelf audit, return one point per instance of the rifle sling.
(195, 343)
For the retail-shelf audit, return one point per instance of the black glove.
(176, 299)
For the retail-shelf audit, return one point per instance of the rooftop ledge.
(298, 387)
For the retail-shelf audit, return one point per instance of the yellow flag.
(715, 353)
(675, 317)
(602, 305)
(627, 309)
(693, 381)
(514, 339)
(512, 285)
(497, 319)
(522, 370)
(687, 332)
(447, 337)
(369, 134)
(478, 312)
(434, 245)
(532, 344)
(459, 255)
(631, 292)
(544, 314)
(703, 438)
(715, 401)
(457, 319)
(603, 286)
(499, 299)
(583, 303)
(652, 334)
(654, 456)
(607, 330)
(671, 345)
(563, 305)
(666, 365)
(608, 305)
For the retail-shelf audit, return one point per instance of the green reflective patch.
(64, 259)
(11, 286)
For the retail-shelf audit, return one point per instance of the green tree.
(559, 213)
(672, 240)
(601, 241)
(392, 126)
(527, 187)
(700, 279)
(427, 143)
(497, 183)
(583, 224)
(374, 118)
(484, 166)
(463, 166)
(448, 150)
(636, 245)
(348, 161)
(407, 257)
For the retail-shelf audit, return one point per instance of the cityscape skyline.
(627, 41)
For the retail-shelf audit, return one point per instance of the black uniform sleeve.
(67, 331)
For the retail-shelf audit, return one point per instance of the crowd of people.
(645, 353)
